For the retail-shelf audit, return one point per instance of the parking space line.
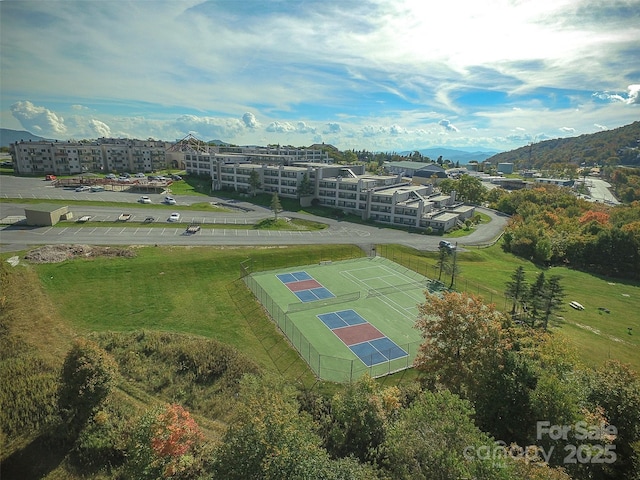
(63, 230)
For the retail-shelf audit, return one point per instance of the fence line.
(326, 367)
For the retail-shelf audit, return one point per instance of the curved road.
(13, 238)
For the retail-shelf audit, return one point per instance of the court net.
(302, 306)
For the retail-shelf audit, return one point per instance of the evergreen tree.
(276, 206)
(516, 288)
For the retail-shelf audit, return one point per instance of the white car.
(83, 188)
(174, 217)
(140, 175)
(170, 200)
(144, 199)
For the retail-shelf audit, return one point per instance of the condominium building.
(101, 155)
(386, 199)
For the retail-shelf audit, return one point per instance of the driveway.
(14, 238)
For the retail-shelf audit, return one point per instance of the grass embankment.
(597, 335)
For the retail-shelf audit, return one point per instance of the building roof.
(45, 207)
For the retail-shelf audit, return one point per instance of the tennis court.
(347, 318)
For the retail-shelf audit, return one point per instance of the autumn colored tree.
(165, 444)
(461, 337)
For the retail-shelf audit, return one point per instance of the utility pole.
(453, 267)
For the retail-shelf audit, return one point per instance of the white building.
(102, 155)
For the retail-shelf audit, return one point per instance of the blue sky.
(381, 75)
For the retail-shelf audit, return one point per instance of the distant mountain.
(8, 137)
(610, 147)
(218, 142)
(463, 155)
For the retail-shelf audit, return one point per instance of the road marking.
(63, 230)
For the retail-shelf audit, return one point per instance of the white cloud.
(447, 125)
(100, 129)
(38, 120)
(207, 128)
(280, 127)
(249, 120)
(79, 107)
(634, 94)
(302, 127)
(567, 129)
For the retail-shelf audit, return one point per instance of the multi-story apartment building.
(385, 199)
(102, 155)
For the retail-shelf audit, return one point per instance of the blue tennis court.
(377, 351)
(304, 286)
(343, 318)
(367, 342)
(294, 277)
(313, 294)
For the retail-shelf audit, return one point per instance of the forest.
(487, 399)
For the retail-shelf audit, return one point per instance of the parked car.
(149, 220)
(50, 177)
(139, 175)
(174, 217)
(124, 217)
(144, 199)
(176, 177)
(110, 176)
(83, 188)
(445, 244)
(170, 200)
(97, 188)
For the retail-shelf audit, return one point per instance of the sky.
(379, 75)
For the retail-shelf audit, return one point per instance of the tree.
(434, 438)
(270, 439)
(358, 419)
(254, 182)
(471, 189)
(275, 205)
(165, 443)
(516, 288)
(88, 375)
(534, 298)
(615, 387)
(462, 336)
(553, 298)
(305, 188)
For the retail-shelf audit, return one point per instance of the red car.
(50, 177)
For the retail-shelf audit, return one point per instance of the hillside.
(459, 155)
(620, 146)
(8, 136)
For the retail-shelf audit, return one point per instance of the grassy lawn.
(597, 335)
(293, 224)
(186, 290)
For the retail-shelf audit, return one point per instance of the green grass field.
(597, 336)
(352, 282)
(197, 291)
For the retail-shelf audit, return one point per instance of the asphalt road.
(13, 238)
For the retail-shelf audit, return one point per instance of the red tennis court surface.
(357, 333)
(303, 285)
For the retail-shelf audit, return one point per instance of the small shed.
(46, 214)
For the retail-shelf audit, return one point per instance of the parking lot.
(135, 232)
